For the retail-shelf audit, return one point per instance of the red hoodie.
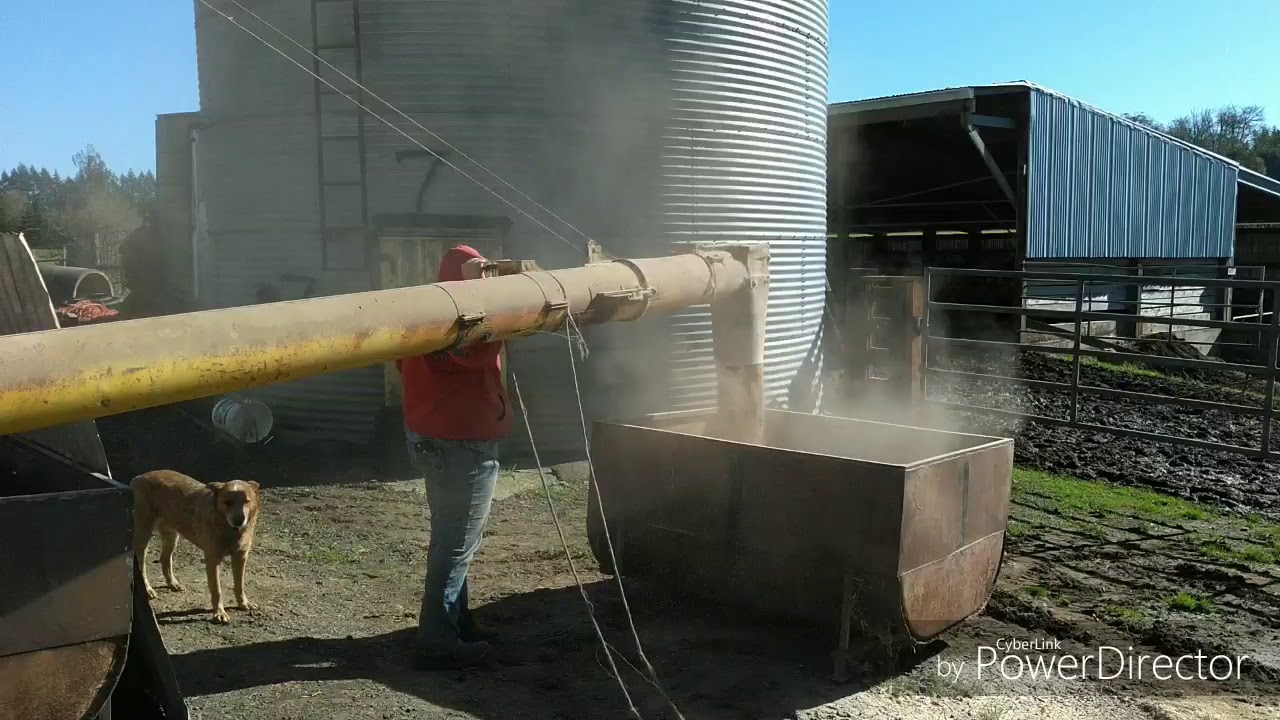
(456, 396)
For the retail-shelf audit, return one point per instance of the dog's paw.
(177, 586)
(248, 605)
(220, 616)
(152, 594)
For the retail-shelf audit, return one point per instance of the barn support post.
(1132, 303)
(1021, 208)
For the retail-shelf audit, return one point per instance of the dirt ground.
(1147, 546)
(337, 570)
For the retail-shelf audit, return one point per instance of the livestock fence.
(1142, 324)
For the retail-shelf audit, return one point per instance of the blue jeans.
(460, 477)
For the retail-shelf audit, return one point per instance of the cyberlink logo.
(1042, 659)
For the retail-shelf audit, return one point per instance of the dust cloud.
(576, 97)
(849, 397)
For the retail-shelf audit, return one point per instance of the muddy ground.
(1223, 478)
(339, 561)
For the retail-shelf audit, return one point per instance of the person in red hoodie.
(455, 412)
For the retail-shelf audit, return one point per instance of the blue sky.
(86, 71)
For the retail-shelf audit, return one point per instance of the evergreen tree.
(8, 223)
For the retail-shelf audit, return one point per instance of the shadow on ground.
(553, 666)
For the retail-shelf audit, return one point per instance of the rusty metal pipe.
(59, 376)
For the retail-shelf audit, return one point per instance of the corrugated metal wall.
(257, 178)
(1100, 187)
(647, 124)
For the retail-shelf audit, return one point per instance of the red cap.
(453, 260)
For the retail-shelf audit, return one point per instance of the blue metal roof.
(1100, 186)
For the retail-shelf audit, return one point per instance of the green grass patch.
(1128, 615)
(1132, 369)
(1219, 548)
(1188, 602)
(1037, 591)
(1258, 554)
(1098, 498)
(1264, 533)
(1127, 368)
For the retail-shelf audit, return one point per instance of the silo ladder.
(340, 138)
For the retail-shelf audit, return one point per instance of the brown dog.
(219, 518)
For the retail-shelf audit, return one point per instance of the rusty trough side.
(862, 527)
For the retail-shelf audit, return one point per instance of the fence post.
(1075, 353)
(925, 331)
(1268, 409)
(1262, 295)
(1228, 295)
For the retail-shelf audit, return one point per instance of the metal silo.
(647, 124)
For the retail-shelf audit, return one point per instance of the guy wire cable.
(388, 123)
(365, 89)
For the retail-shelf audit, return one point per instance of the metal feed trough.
(863, 526)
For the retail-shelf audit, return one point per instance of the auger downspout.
(54, 377)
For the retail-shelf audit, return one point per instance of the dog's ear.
(254, 484)
(216, 487)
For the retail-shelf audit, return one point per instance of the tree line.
(95, 208)
(1240, 133)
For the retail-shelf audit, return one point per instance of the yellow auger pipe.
(60, 376)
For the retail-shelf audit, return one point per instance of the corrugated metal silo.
(647, 124)
(745, 156)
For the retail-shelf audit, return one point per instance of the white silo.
(646, 124)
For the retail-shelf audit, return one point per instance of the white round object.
(248, 421)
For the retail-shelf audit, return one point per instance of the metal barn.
(645, 125)
(1016, 176)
